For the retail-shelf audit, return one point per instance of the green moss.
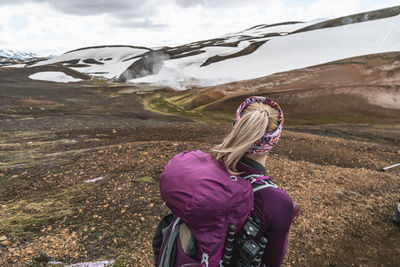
(145, 180)
(192, 105)
(27, 216)
(99, 81)
(119, 263)
(179, 106)
(184, 102)
(22, 217)
(27, 148)
(33, 157)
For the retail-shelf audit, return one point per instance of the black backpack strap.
(159, 235)
(168, 248)
(162, 240)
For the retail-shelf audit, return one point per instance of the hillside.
(356, 90)
(256, 52)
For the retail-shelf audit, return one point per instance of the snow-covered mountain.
(10, 58)
(17, 55)
(255, 52)
(100, 61)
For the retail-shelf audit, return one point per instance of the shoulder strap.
(160, 234)
(259, 182)
(266, 183)
(168, 250)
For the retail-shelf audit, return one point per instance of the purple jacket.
(274, 208)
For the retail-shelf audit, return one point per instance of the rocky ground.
(80, 163)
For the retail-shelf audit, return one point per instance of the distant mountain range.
(256, 52)
(9, 57)
(17, 55)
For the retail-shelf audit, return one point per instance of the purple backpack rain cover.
(198, 189)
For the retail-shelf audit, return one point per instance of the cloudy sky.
(55, 26)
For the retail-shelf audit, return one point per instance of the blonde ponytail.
(257, 119)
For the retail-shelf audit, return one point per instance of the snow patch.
(94, 180)
(19, 66)
(92, 264)
(53, 76)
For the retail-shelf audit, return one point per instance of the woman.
(207, 192)
(244, 151)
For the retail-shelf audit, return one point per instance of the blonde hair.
(256, 119)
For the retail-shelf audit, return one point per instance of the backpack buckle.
(252, 180)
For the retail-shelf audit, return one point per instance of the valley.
(80, 164)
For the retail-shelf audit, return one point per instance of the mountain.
(256, 52)
(108, 62)
(17, 55)
(18, 59)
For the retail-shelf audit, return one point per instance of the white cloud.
(94, 7)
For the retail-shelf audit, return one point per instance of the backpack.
(206, 198)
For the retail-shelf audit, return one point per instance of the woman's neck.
(259, 158)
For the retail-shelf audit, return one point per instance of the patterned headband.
(266, 142)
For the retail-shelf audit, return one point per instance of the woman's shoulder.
(274, 194)
(274, 201)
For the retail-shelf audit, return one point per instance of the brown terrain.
(342, 125)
